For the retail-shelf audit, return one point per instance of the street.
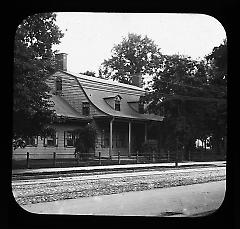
(176, 192)
(175, 201)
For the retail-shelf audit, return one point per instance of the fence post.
(137, 156)
(27, 160)
(99, 157)
(54, 159)
(176, 159)
(153, 158)
(176, 155)
(119, 157)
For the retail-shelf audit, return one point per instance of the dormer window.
(114, 101)
(59, 84)
(117, 103)
(85, 108)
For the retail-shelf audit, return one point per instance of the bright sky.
(89, 37)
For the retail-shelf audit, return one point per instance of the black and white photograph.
(120, 114)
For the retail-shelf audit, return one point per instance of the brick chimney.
(61, 60)
(137, 80)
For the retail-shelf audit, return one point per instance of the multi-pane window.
(59, 84)
(104, 138)
(31, 141)
(85, 108)
(69, 139)
(51, 140)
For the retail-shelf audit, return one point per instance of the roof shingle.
(97, 89)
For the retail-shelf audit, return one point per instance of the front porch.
(120, 135)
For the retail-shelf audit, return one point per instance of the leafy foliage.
(134, 55)
(85, 140)
(218, 65)
(191, 93)
(194, 103)
(33, 62)
(90, 73)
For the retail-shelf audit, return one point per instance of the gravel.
(52, 191)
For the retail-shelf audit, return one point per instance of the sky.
(90, 37)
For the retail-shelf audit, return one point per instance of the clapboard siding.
(74, 95)
(45, 152)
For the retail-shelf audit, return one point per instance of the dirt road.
(174, 201)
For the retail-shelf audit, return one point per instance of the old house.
(112, 107)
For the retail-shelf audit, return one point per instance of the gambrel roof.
(97, 90)
(63, 109)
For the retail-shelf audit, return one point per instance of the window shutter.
(56, 138)
(74, 138)
(64, 138)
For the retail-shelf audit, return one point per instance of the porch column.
(129, 138)
(145, 132)
(110, 138)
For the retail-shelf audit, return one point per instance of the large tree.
(174, 88)
(217, 74)
(134, 55)
(184, 90)
(33, 63)
(217, 61)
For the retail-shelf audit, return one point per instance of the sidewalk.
(87, 169)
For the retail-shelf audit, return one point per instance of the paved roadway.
(177, 201)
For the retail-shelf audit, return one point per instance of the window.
(104, 138)
(69, 139)
(117, 104)
(85, 108)
(31, 141)
(141, 108)
(59, 84)
(51, 140)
